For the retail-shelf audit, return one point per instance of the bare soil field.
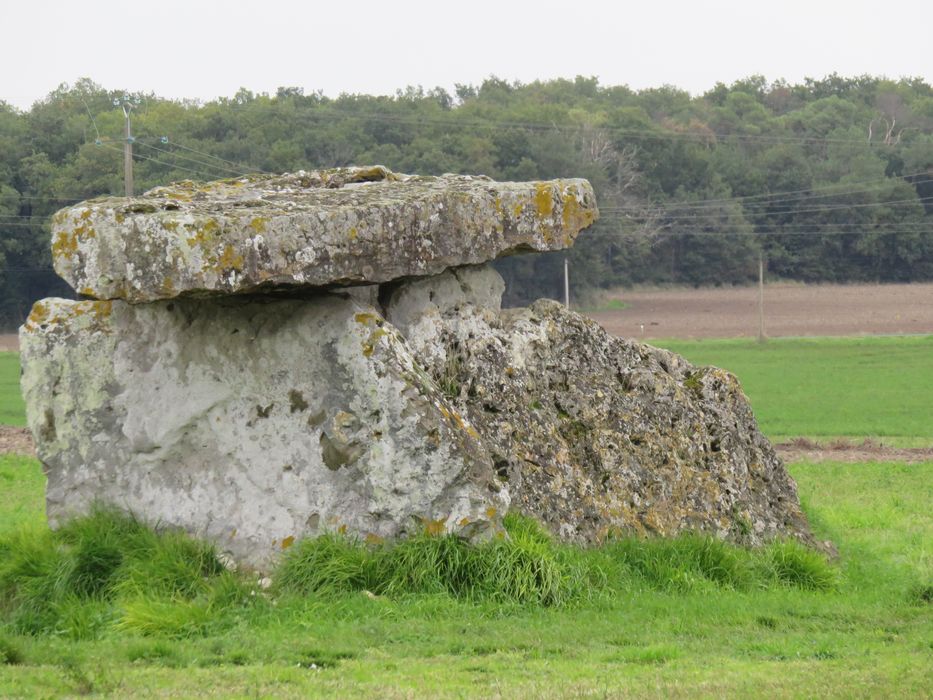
(790, 310)
(804, 450)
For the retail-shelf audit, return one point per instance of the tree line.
(829, 179)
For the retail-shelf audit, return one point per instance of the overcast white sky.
(207, 49)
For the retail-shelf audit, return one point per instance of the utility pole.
(566, 284)
(761, 297)
(127, 145)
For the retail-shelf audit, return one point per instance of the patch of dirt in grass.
(16, 441)
(806, 450)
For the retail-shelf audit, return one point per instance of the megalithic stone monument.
(273, 357)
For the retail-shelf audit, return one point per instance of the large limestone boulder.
(348, 226)
(594, 434)
(252, 422)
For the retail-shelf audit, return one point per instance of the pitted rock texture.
(250, 422)
(348, 226)
(594, 434)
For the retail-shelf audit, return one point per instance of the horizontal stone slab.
(347, 226)
(252, 423)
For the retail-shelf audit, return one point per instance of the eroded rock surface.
(592, 433)
(347, 226)
(250, 422)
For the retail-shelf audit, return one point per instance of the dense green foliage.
(826, 387)
(689, 617)
(832, 178)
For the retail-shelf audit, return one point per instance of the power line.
(794, 211)
(238, 168)
(219, 168)
(752, 233)
(162, 162)
(223, 160)
(778, 197)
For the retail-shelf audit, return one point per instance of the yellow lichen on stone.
(456, 420)
(544, 199)
(288, 542)
(433, 528)
(101, 309)
(258, 224)
(369, 345)
(574, 216)
(366, 318)
(167, 288)
(353, 234)
(44, 314)
(373, 538)
(229, 259)
(205, 233)
(38, 315)
(65, 244)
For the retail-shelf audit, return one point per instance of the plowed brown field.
(790, 310)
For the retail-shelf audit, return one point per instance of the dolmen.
(268, 358)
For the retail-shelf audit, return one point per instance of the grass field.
(12, 409)
(829, 386)
(679, 632)
(869, 636)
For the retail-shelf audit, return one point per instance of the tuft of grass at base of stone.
(107, 570)
(531, 568)
(10, 653)
(107, 573)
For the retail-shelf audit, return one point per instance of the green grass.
(105, 573)
(12, 408)
(830, 387)
(677, 618)
(22, 486)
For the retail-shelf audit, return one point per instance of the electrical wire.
(224, 171)
(162, 162)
